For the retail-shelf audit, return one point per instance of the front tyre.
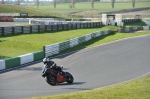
(70, 78)
(51, 80)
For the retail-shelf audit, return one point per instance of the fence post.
(2, 31)
(38, 28)
(76, 26)
(86, 25)
(99, 24)
(90, 25)
(30, 29)
(80, 25)
(71, 26)
(45, 28)
(44, 50)
(13, 31)
(57, 27)
(62, 26)
(21, 29)
(67, 26)
(52, 27)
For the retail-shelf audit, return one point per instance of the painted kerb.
(20, 60)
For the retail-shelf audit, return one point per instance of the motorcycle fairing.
(60, 78)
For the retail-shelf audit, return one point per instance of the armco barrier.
(53, 49)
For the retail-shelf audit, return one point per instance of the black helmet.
(46, 60)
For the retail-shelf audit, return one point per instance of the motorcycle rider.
(51, 64)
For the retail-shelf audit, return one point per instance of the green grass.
(16, 45)
(137, 89)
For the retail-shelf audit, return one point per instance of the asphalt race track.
(94, 67)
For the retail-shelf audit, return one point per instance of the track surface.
(92, 68)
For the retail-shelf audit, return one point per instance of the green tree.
(92, 3)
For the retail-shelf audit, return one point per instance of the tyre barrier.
(131, 29)
(46, 28)
(53, 49)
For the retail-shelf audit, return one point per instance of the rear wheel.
(69, 77)
(51, 80)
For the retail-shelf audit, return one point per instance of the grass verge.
(137, 89)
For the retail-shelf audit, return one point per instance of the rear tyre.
(70, 78)
(51, 80)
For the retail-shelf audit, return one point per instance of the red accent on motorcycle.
(60, 78)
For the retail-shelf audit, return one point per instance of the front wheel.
(69, 77)
(51, 80)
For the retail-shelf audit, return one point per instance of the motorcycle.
(54, 77)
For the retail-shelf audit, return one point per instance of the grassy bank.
(137, 89)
